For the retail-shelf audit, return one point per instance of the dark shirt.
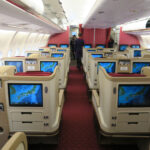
(72, 44)
(111, 43)
(79, 43)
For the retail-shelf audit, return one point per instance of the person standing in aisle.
(72, 46)
(79, 43)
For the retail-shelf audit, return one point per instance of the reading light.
(37, 5)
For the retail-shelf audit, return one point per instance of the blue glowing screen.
(18, 64)
(52, 45)
(123, 47)
(135, 46)
(97, 55)
(87, 46)
(25, 95)
(57, 55)
(61, 50)
(74, 33)
(91, 50)
(137, 66)
(48, 66)
(63, 45)
(100, 45)
(137, 53)
(134, 96)
(109, 66)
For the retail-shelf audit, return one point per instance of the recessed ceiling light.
(100, 12)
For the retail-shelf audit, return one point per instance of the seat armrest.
(95, 96)
(61, 97)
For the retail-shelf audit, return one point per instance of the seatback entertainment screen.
(134, 96)
(27, 95)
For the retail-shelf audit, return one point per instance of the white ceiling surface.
(14, 18)
(77, 10)
(109, 13)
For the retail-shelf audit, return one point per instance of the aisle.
(78, 131)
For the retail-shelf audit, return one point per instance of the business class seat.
(34, 104)
(36, 62)
(62, 56)
(85, 56)
(67, 52)
(28, 53)
(92, 56)
(4, 128)
(122, 107)
(124, 54)
(136, 52)
(17, 142)
(94, 64)
(15, 61)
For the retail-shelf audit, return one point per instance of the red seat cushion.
(33, 73)
(126, 75)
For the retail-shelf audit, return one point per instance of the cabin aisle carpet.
(78, 131)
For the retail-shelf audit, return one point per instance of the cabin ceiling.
(109, 13)
(77, 10)
(90, 13)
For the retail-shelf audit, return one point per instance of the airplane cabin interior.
(74, 75)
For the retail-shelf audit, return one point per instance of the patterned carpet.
(78, 132)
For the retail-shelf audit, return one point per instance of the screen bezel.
(57, 53)
(13, 65)
(97, 45)
(88, 45)
(23, 105)
(135, 45)
(48, 61)
(63, 44)
(123, 45)
(52, 45)
(129, 106)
